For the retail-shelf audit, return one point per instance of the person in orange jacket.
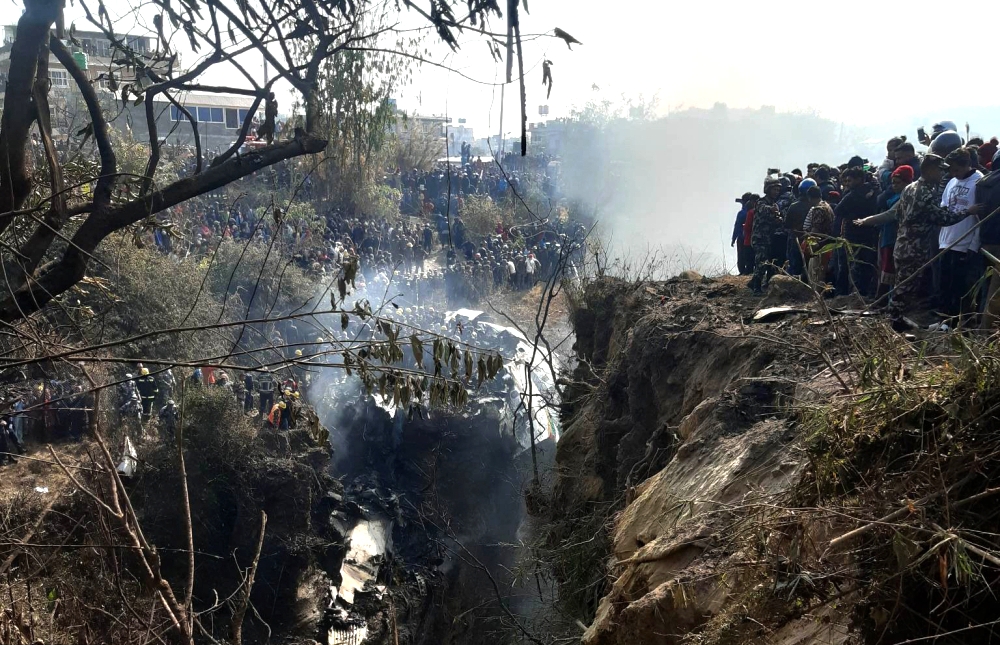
(278, 419)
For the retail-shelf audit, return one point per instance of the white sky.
(858, 62)
(853, 61)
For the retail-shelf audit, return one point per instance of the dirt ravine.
(677, 437)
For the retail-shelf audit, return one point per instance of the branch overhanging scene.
(321, 324)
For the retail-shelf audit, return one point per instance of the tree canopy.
(50, 230)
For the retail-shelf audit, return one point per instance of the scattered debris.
(130, 460)
(775, 313)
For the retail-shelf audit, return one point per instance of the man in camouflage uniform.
(766, 221)
(919, 215)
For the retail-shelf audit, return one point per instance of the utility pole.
(502, 88)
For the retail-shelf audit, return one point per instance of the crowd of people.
(59, 411)
(425, 261)
(428, 248)
(907, 231)
(428, 192)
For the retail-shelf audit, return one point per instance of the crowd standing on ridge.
(874, 229)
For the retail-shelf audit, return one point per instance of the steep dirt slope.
(684, 439)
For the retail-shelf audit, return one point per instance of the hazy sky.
(858, 62)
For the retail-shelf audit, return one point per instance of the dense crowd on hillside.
(419, 264)
(428, 192)
(908, 229)
(404, 248)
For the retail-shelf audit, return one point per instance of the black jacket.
(856, 204)
(795, 216)
(988, 194)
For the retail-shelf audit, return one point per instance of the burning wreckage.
(390, 460)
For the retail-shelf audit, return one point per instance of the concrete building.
(423, 135)
(219, 116)
(547, 137)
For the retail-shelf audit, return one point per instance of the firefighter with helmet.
(146, 384)
(265, 389)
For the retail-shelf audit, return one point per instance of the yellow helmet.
(282, 405)
(144, 371)
(295, 394)
(298, 352)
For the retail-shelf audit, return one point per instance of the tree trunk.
(19, 110)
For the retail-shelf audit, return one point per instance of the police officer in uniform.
(767, 220)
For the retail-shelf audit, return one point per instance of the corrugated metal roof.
(209, 99)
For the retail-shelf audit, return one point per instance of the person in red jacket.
(748, 224)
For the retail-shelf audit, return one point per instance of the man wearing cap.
(960, 265)
(744, 253)
(899, 179)
(919, 214)
(767, 219)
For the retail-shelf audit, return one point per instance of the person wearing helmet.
(918, 214)
(265, 389)
(167, 383)
(126, 388)
(944, 143)
(767, 220)
(293, 408)
(274, 417)
(794, 224)
(960, 265)
(146, 384)
(131, 416)
(6, 444)
(169, 416)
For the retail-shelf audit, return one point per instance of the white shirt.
(960, 195)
